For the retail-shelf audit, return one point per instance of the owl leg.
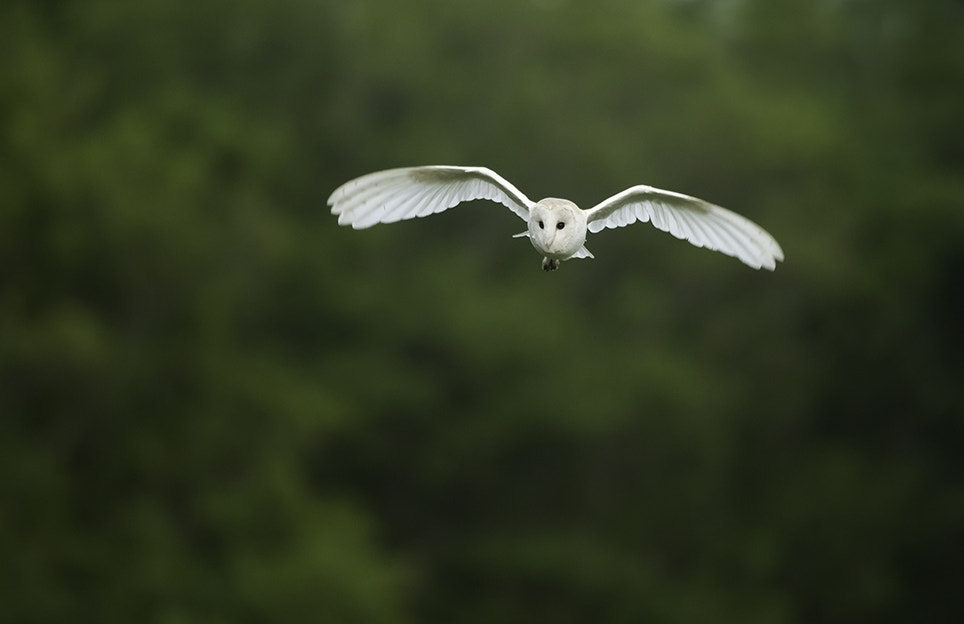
(550, 264)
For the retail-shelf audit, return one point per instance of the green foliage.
(218, 406)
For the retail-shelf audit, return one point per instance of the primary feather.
(701, 223)
(406, 193)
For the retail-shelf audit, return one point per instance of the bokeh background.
(217, 406)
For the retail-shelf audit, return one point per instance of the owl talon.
(550, 264)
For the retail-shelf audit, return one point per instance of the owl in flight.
(557, 228)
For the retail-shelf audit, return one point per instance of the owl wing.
(701, 223)
(398, 194)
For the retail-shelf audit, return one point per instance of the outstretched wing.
(398, 194)
(692, 219)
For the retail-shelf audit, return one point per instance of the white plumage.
(556, 227)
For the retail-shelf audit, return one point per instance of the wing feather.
(701, 223)
(407, 193)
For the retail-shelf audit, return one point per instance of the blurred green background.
(218, 406)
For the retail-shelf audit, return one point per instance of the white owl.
(556, 227)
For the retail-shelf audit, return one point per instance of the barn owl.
(557, 228)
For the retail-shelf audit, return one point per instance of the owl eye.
(560, 225)
(542, 225)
